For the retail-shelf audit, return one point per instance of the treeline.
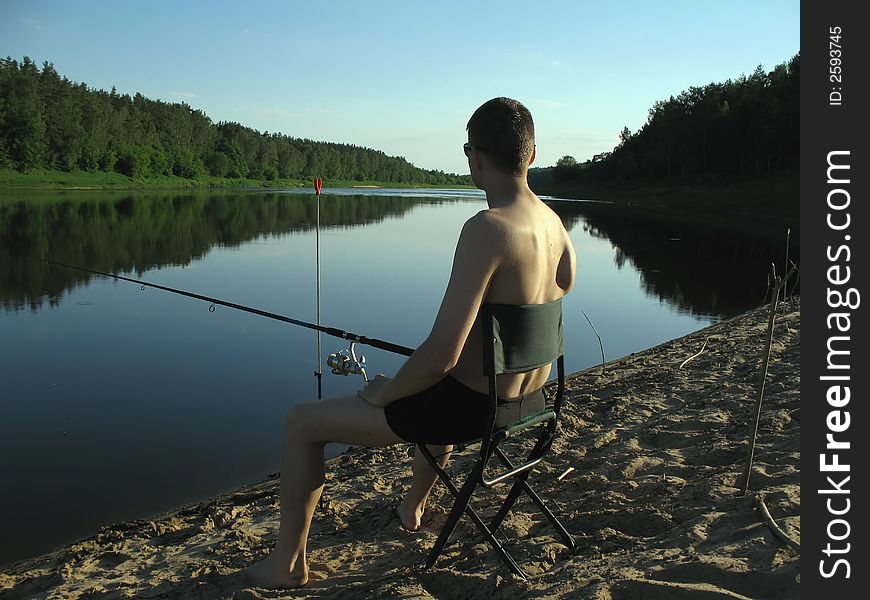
(741, 128)
(47, 121)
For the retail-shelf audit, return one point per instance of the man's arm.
(474, 264)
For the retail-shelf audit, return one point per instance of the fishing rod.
(318, 374)
(343, 362)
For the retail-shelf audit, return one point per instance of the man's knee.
(299, 416)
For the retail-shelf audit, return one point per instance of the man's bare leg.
(348, 420)
(412, 506)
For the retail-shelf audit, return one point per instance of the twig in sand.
(683, 364)
(767, 291)
(782, 535)
(778, 283)
(565, 473)
(787, 262)
(600, 344)
(796, 280)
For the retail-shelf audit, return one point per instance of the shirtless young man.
(515, 252)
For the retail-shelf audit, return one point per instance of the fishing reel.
(345, 362)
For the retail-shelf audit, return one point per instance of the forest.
(744, 128)
(50, 122)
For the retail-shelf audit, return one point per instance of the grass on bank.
(769, 198)
(46, 179)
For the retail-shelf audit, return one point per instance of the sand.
(657, 451)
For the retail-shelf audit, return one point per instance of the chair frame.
(547, 422)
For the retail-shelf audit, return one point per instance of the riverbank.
(657, 444)
(44, 179)
(773, 197)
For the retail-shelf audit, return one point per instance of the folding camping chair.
(516, 339)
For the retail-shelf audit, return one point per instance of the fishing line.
(354, 338)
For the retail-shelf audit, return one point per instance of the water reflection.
(708, 269)
(136, 233)
(713, 268)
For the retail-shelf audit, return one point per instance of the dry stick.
(785, 268)
(600, 344)
(773, 302)
(767, 291)
(782, 535)
(796, 280)
(565, 473)
(778, 283)
(694, 356)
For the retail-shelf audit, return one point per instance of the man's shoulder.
(487, 219)
(485, 229)
(486, 224)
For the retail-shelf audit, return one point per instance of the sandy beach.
(656, 448)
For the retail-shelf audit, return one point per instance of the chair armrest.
(504, 432)
(527, 422)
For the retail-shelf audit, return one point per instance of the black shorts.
(449, 412)
(446, 412)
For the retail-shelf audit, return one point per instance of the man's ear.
(534, 151)
(475, 160)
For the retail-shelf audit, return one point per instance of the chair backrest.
(520, 338)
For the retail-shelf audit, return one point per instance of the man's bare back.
(535, 264)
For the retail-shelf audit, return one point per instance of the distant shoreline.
(47, 180)
(727, 203)
(768, 197)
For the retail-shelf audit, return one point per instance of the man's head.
(503, 129)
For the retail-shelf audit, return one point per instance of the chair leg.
(510, 499)
(567, 539)
(460, 505)
(521, 485)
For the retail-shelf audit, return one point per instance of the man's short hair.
(504, 130)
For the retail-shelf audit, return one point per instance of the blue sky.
(404, 76)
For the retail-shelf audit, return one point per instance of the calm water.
(119, 403)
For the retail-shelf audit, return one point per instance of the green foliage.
(132, 161)
(186, 164)
(737, 129)
(23, 128)
(564, 168)
(47, 121)
(218, 164)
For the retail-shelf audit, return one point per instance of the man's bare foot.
(274, 573)
(410, 515)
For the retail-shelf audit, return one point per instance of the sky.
(404, 76)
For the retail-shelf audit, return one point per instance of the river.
(120, 402)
